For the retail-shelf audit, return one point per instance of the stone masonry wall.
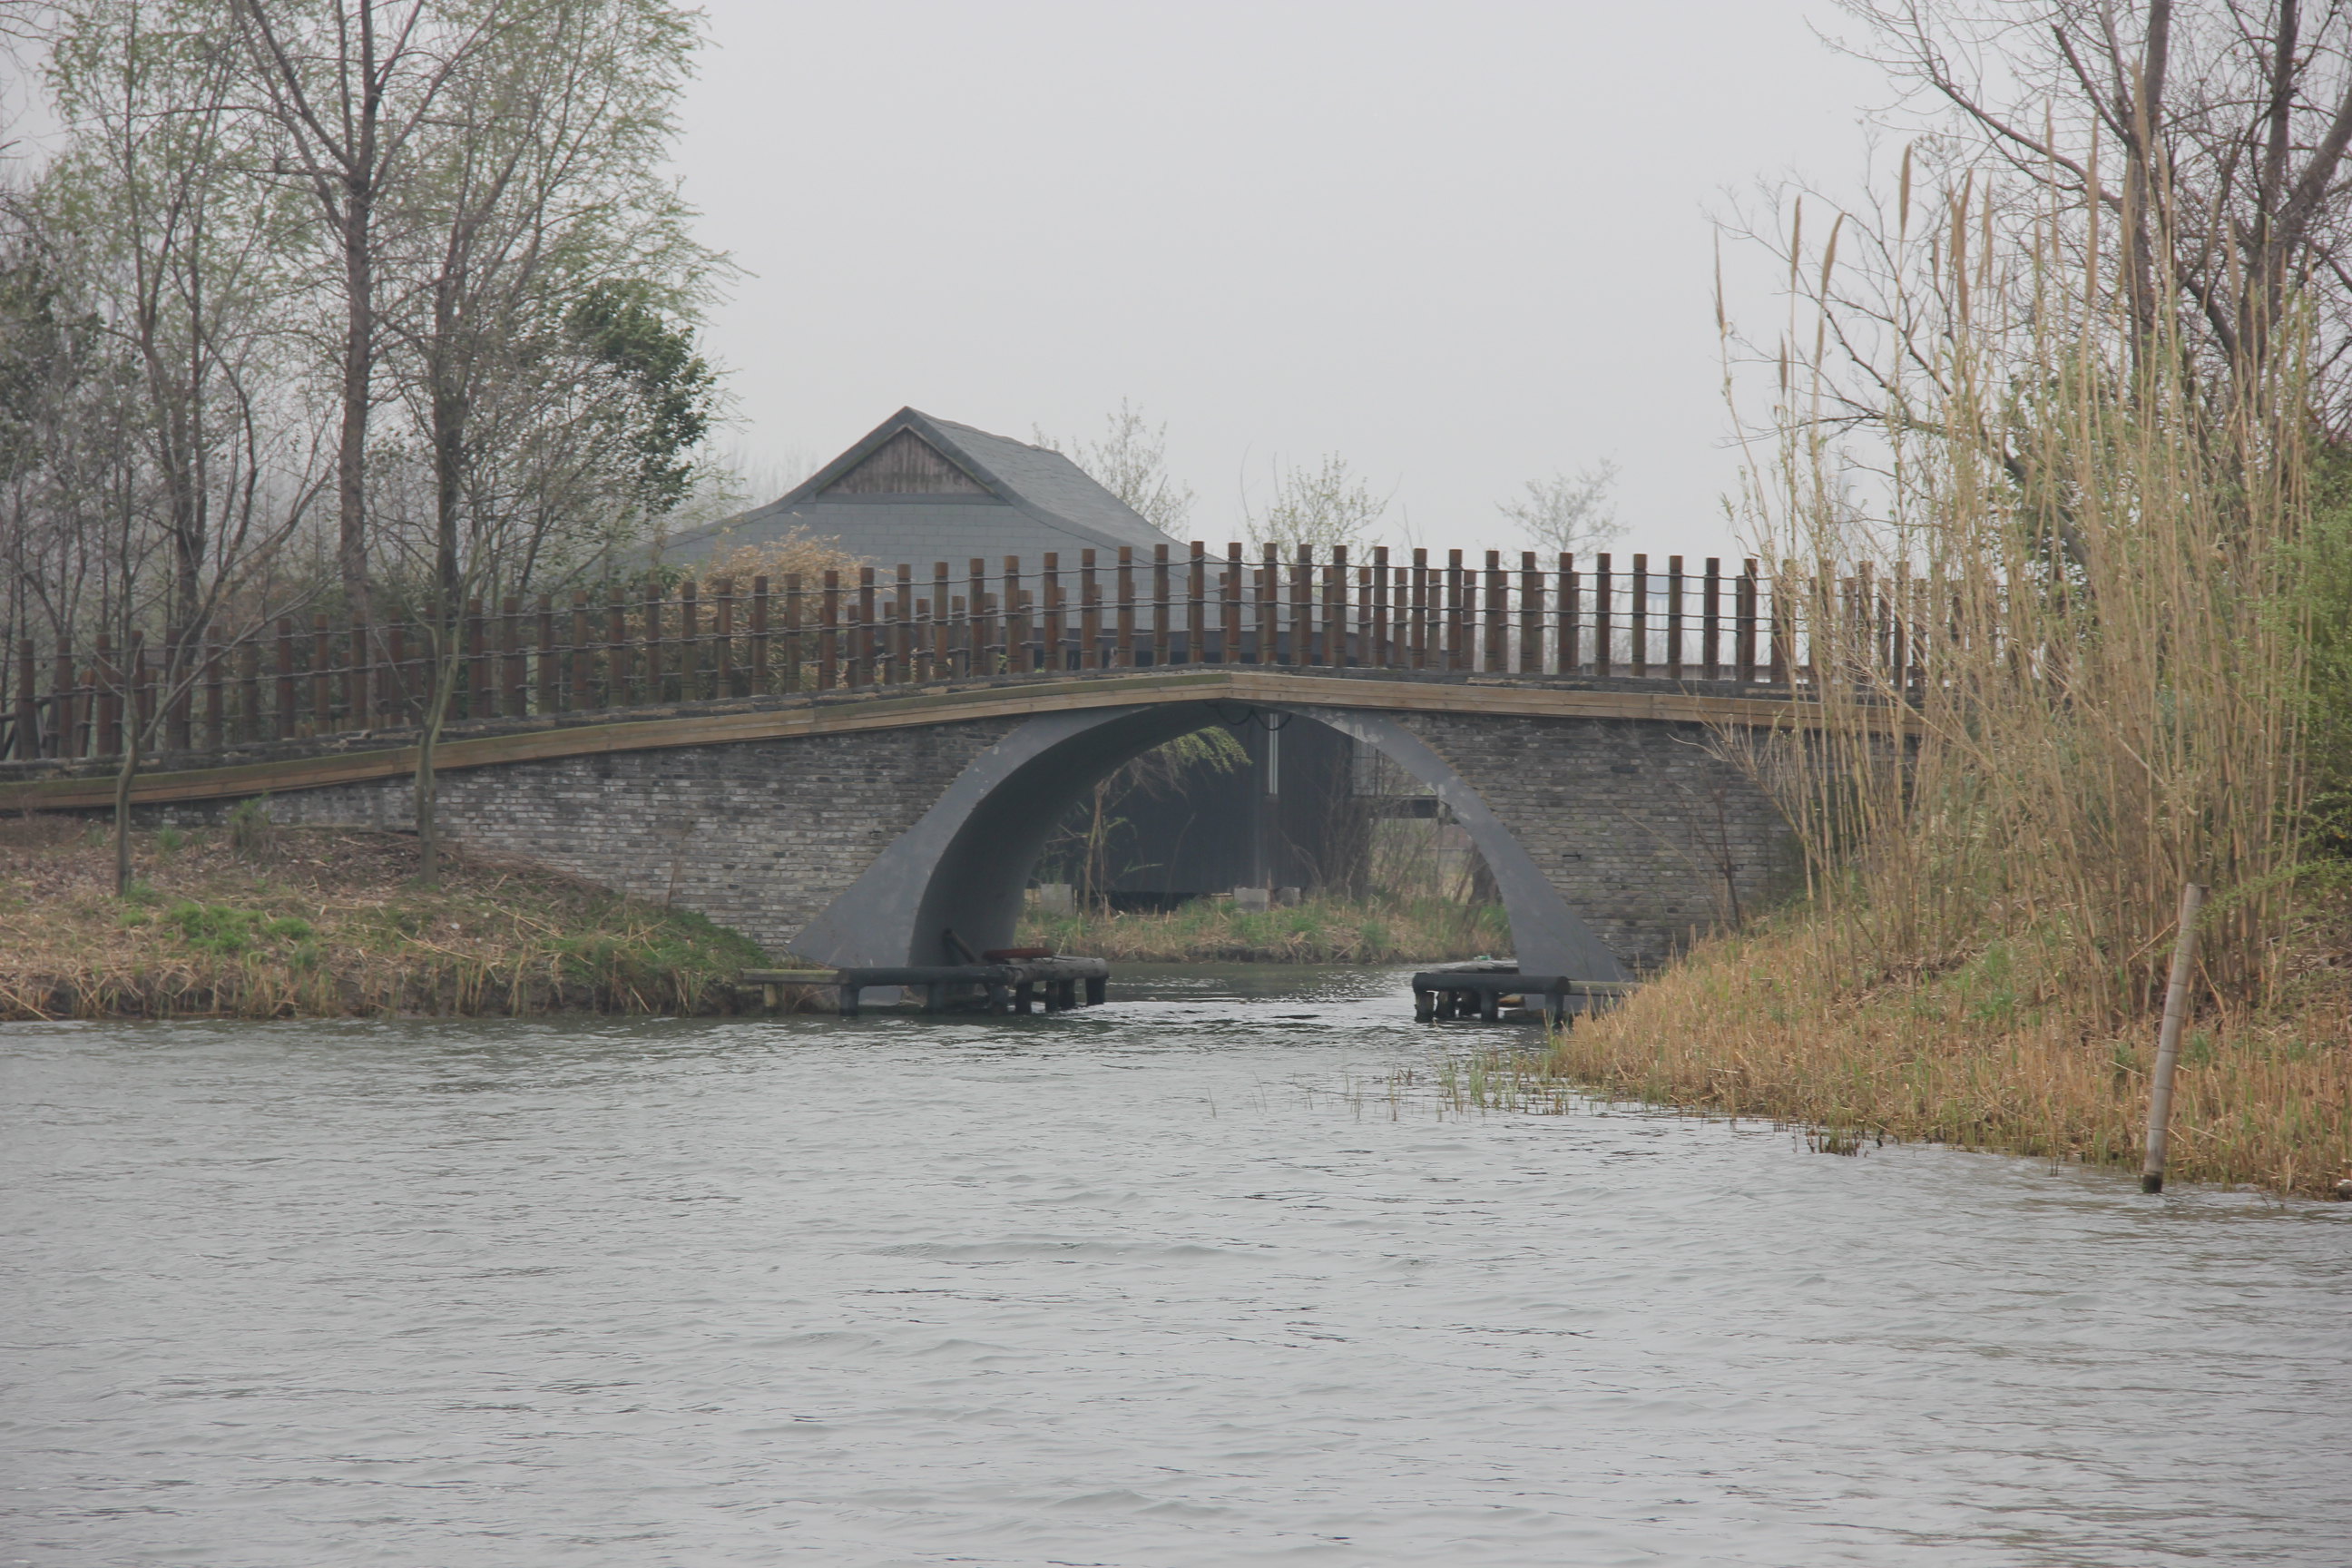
(1649, 834)
(759, 835)
(1646, 831)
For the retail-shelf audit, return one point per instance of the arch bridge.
(851, 778)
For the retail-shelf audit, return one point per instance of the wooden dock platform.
(1482, 990)
(1012, 987)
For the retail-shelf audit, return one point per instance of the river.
(1174, 1281)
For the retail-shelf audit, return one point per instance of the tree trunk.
(359, 351)
(132, 733)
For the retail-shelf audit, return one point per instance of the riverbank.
(1315, 930)
(1989, 1055)
(265, 922)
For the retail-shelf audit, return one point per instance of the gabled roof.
(915, 489)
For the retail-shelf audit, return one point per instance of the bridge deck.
(316, 762)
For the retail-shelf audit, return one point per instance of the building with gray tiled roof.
(918, 489)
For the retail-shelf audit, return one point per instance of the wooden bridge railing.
(654, 646)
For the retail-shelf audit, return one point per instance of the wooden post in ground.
(2167, 1041)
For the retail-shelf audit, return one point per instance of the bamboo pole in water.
(2168, 1042)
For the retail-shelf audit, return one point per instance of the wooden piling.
(2168, 1043)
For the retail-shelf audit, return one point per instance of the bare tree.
(1319, 508)
(1568, 512)
(1130, 461)
(2194, 152)
(152, 208)
(354, 84)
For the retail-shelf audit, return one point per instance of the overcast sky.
(1462, 243)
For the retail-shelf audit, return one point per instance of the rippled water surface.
(1113, 1287)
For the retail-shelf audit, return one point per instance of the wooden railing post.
(106, 732)
(654, 656)
(1571, 656)
(479, 700)
(1711, 621)
(142, 685)
(1787, 605)
(1016, 623)
(179, 665)
(1090, 613)
(1498, 615)
(977, 636)
(762, 681)
(618, 676)
(59, 741)
(1123, 648)
(722, 645)
(901, 648)
(1457, 655)
(27, 743)
(1332, 645)
(942, 623)
(869, 656)
(578, 656)
(690, 660)
(1269, 600)
(1674, 617)
(1380, 655)
(1603, 641)
(1417, 613)
(1637, 616)
(322, 663)
(1196, 612)
(550, 673)
(286, 689)
(795, 650)
(249, 693)
(1161, 638)
(1052, 654)
(1230, 617)
(1531, 616)
(1744, 608)
(391, 679)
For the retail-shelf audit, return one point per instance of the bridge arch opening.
(965, 864)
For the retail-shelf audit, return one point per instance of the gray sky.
(1463, 245)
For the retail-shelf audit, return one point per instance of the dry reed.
(2085, 542)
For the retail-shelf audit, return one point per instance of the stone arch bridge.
(855, 828)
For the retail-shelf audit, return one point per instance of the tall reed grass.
(2087, 538)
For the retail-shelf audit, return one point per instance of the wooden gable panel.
(906, 465)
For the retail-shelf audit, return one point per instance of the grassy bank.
(277, 923)
(1319, 931)
(1987, 1055)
